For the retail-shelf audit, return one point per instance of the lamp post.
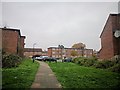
(33, 52)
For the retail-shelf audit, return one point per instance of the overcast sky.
(53, 23)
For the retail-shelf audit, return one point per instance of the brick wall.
(88, 53)
(67, 52)
(116, 41)
(0, 48)
(109, 44)
(49, 52)
(0, 39)
(10, 41)
(29, 52)
(21, 46)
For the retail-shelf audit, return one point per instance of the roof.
(66, 48)
(60, 48)
(23, 36)
(31, 49)
(107, 22)
(11, 29)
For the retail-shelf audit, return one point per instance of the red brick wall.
(29, 52)
(88, 53)
(66, 52)
(9, 41)
(0, 39)
(109, 44)
(22, 38)
(21, 47)
(12, 41)
(49, 52)
(116, 41)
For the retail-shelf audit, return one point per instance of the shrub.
(11, 60)
(99, 64)
(78, 60)
(89, 62)
(115, 68)
(116, 61)
(85, 61)
(81, 61)
(105, 64)
(112, 65)
(75, 60)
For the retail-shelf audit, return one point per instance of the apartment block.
(12, 41)
(69, 52)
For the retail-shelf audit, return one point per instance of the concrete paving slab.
(45, 78)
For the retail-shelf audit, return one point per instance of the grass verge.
(21, 76)
(71, 75)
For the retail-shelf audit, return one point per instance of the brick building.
(12, 41)
(0, 41)
(88, 53)
(69, 52)
(29, 52)
(110, 45)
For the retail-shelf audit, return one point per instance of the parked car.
(50, 59)
(38, 58)
(68, 60)
(41, 58)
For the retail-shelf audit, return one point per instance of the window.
(53, 52)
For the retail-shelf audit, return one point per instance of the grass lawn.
(71, 75)
(21, 76)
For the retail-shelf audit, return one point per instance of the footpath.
(45, 78)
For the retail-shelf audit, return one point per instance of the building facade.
(110, 45)
(29, 52)
(69, 52)
(12, 41)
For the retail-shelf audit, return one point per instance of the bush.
(79, 60)
(11, 60)
(106, 63)
(89, 62)
(85, 61)
(75, 60)
(112, 65)
(99, 64)
(103, 64)
(115, 68)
